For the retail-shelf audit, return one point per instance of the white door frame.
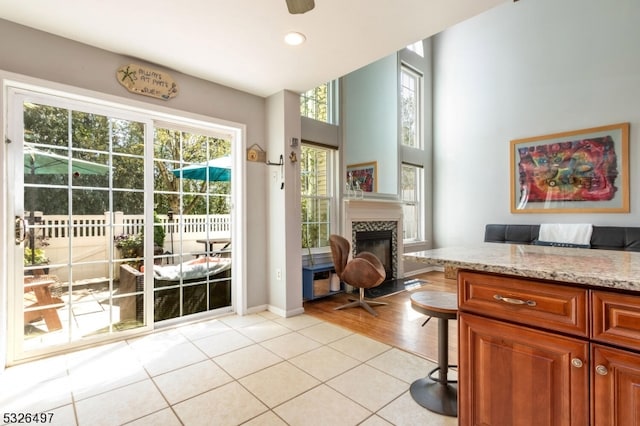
(238, 196)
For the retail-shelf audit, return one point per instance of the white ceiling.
(239, 43)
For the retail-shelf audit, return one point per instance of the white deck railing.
(89, 226)
(92, 237)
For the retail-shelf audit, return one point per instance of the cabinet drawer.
(616, 318)
(525, 301)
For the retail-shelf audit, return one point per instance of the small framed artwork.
(363, 176)
(581, 171)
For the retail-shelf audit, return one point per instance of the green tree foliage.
(314, 103)
(315, 197)
(119, 143)
(174, 149)
(90, 137)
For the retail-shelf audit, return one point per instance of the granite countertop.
(600, 268)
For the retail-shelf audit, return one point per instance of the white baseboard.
(256, 309)
(286, 314)
(424, 270)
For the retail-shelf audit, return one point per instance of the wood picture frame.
(580, 171)
(363, 176)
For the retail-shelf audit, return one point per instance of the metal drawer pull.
(514, 301)
(576, 362)
(602, 370)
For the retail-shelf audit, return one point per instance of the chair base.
(362, 302)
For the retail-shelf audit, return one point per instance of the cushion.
(557, 244)
(198, 268)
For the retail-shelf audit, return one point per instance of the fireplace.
(377, 216)
(380, 243)
(378, 237)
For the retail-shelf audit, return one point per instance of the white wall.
(524, 69)
(284, 254)
(320, 132)
(370, 119)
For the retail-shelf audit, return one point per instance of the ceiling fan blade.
(300, 6)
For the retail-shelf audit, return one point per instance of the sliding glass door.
(113, 231)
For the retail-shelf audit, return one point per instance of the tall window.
(317, 195)
(411, 107)
(319, 103)
(411, 202)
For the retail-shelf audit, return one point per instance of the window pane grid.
(317, 198)
(316, 221)
(411, 200)
(315, 103)
(410, 107)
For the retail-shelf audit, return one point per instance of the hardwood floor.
(397, 324)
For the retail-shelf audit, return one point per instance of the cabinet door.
(616, 387)
(514, 375)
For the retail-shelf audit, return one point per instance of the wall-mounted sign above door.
(146, 81)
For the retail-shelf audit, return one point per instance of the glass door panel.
(192, 270)
(83, 189)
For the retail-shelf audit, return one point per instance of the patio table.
(42, 291)
(210, 242)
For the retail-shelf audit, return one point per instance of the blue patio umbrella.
(216, 170)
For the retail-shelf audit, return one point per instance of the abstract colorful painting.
(575, 171)
(363, 176)
(580, 170)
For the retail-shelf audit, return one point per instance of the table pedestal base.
(437, 397)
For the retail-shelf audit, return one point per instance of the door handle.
(22, 229)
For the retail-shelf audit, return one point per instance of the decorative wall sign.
(256, 153)
(146, 81)
(582, 171)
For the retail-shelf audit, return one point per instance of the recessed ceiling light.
(294, 38)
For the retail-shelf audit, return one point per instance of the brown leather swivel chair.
(363, 271)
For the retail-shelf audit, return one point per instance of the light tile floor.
(258, 369)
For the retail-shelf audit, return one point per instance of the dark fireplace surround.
(379, 238)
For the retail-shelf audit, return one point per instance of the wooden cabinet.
(615, 373)
(517, 376)
(541, 353)
(616, 387)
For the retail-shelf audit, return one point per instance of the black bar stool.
(437, 394)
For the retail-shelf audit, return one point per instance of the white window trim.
(420, 237)
(404, 68)
(331, 185)
(332, 104)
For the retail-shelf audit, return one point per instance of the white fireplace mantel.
(367, 210)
